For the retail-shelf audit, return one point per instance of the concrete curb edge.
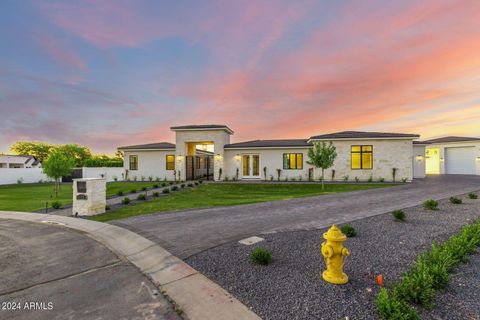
(196, 295)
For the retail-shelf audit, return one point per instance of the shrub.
(455, 200)
(141, 196)
(429, 274)
(155, 186)
(404, 180)
(174, 188)
(357, 179)
(370, 179)
(348, 230)
(196, 183)
(345, 178)
(226, 178)
(142, 178)
(182, 185)
(144, 188)
(166, 190)
(261, 256)
(120, 193)
(125, 201)
(133, 191)
(56, 205)
(170, 182)
(156, 194)
(20, 181)
(107, 207)
(399, 215)
(201, 181)
(381, 180)
(115, 178)
(164, 184)
(472, 195)
(190, 184)
(431, 204)
(392, 308)
(157, 179)
(150, 178)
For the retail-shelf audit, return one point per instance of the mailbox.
(89, 196)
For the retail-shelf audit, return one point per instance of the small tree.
(322, 155)
(58, 165)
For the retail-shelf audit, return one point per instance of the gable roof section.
(269, 144)
(194, 127)
(452, 139)
(150, 146)
(346, 135)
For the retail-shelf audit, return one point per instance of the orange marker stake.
(380, 280)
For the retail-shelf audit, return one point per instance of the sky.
(113, 73)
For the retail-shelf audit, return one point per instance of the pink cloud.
(59, 51)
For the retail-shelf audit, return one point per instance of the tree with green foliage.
(58, 165)
(76, 152)
(38, 149)
(322, 155)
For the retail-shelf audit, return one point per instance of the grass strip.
(431, 272)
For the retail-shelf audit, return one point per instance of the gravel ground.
(292, 288)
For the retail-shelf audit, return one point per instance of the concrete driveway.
(52, 272)
(189, 232)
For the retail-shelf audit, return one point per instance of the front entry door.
(251, 166)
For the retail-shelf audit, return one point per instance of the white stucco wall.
(26, 175)
(219, 138)
(419, 161)
(151, 163)
(108, 173)
(442, 147)
(270, 158)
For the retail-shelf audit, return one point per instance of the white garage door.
(460, 160)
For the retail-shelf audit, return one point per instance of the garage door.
(460, 160)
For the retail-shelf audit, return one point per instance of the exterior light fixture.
(442, 160)
(478, 159)
(180, 157)
(237, 157)
(419, 157)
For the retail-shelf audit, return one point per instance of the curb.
(196, 295)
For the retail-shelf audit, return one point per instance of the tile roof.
(452, 139)
(270, 143)
(362, 135)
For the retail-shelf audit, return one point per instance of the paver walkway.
(189, 232)
(52, 272)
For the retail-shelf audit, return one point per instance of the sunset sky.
(112, 73)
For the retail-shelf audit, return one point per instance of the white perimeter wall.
(28, 175)
(109, 173)
(34, 175)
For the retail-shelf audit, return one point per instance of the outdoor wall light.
(218, 156)
(478, 159)
(419, 157)
(237, 157)
(180, 157)
(442, 160)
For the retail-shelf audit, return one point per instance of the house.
(453, 155)
(205, 152)
(15, 161)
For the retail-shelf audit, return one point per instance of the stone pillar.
(89, 196)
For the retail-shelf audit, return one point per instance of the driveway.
(188, 232)
(51, 272)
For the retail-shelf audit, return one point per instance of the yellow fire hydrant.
(334, 251)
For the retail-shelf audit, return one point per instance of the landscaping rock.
(292, 287)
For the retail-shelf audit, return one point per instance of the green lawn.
(212, 195)
(32, 197)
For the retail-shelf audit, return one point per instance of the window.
(170, 162)
(133, 162)
(362, 157)
(293, 161)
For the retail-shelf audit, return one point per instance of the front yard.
(229, 194)
(32, 197)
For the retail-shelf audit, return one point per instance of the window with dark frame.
(133, 160)
(170, 162)
(293, 161)
(362, 157)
